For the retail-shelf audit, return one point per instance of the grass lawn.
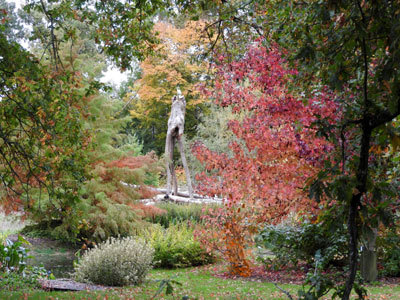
(197, 283)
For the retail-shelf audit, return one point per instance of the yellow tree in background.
(174, 65)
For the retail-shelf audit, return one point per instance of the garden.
(172, 265)
(182, 149)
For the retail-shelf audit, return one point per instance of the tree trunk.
(353, 244)
(176, 123)
(185, 166)
(368, 266)
(355, 204)
(174, 179)
(169, 161)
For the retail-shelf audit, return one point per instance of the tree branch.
(284, 291)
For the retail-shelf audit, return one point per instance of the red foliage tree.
(276, 150)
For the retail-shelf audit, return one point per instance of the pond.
(55, 256)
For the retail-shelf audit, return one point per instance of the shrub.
(178, 213)
(115, 262)
(175, 247)
(301, 243)
(389, 253)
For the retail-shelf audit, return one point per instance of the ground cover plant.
(13, 255)
(208, 282)
(295, 243)
(15, 272)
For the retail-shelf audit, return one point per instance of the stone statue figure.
(176, 123)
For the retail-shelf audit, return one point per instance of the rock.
(64, 284)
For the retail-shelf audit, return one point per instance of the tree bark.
(186, 168)
(368, 267)
(176, 123)
(355, 204)
(169, 162)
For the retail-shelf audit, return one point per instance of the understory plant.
(15, 273)
(319, 283)
(301, 243)
(388, 245)
(179, 213)
(115, 262)
(13, 255)
(13, 281)
(175, 246)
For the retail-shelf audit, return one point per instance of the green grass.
(197, 283)
(51, 251)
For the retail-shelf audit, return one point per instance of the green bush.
(292, 244)
(175, 247)
(179, 213)
(389, 253)
(115, 262)
(41, 230)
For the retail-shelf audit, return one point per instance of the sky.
(112, 76)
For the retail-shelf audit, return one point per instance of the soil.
(55, 256)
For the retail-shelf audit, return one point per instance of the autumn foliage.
(110, 207)
(276, 150)
(42, 141)
(174, 66)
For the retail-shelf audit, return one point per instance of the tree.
(109, 204)
(352, 45)
(123, 28)
(229, 25)
(38, 156)
(213, 132)
(172, 67)
(64, 136)
(277, 149)
(12, 27)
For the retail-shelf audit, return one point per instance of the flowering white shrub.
(116, 262)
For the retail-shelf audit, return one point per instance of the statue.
(176, 123)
